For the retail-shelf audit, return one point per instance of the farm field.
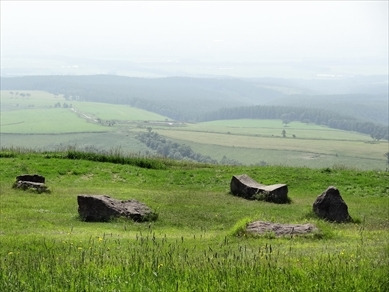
(300, 158)
(39, 120)
(273, 128)
(340, 148)
(194, 244)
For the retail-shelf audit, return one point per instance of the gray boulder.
(330, 206)
(102, 208)
(244, 186)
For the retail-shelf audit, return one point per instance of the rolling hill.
(188, 99)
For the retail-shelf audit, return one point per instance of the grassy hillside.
(192, 246)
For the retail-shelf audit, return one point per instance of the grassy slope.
(40, 233)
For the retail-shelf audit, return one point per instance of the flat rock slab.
(246, 187)
(279, 229)
(102, 208)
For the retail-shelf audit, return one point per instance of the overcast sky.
(206, 31)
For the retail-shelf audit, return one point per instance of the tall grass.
(115, 156)
(150, 263)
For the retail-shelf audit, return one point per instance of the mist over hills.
(181, 98)
(188, 99)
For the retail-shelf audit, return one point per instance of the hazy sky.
(207, 31)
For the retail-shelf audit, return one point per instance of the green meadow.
(116, 112)
(197, 243)
(39, 120)
(45, 121)
(42, 113)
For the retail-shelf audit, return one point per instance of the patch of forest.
(173, 150)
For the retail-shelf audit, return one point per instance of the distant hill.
(364, 98)
(177, 97)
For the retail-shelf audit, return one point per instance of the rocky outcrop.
(33, 182)
(102, 208)
(330, 206)
(244, 186)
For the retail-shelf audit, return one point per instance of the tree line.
(171, 149)
(174, 150)
(306, 115)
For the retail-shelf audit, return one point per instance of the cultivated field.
(193, 246)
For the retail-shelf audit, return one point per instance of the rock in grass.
(102, 208)
(260, 227)
(32, 178)
(330, 206)
(244, 186)
(33, 182)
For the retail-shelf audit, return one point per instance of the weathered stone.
(31, 177)
(330, 206)
(260, 227)
(244, 186)
(25, 185)
(103, 208)
(33, 182)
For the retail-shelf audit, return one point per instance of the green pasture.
(46, 121)
(18, 99)
(116, 112)
(193, 245)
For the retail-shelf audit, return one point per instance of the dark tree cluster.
(64, 105)
(171, 149)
